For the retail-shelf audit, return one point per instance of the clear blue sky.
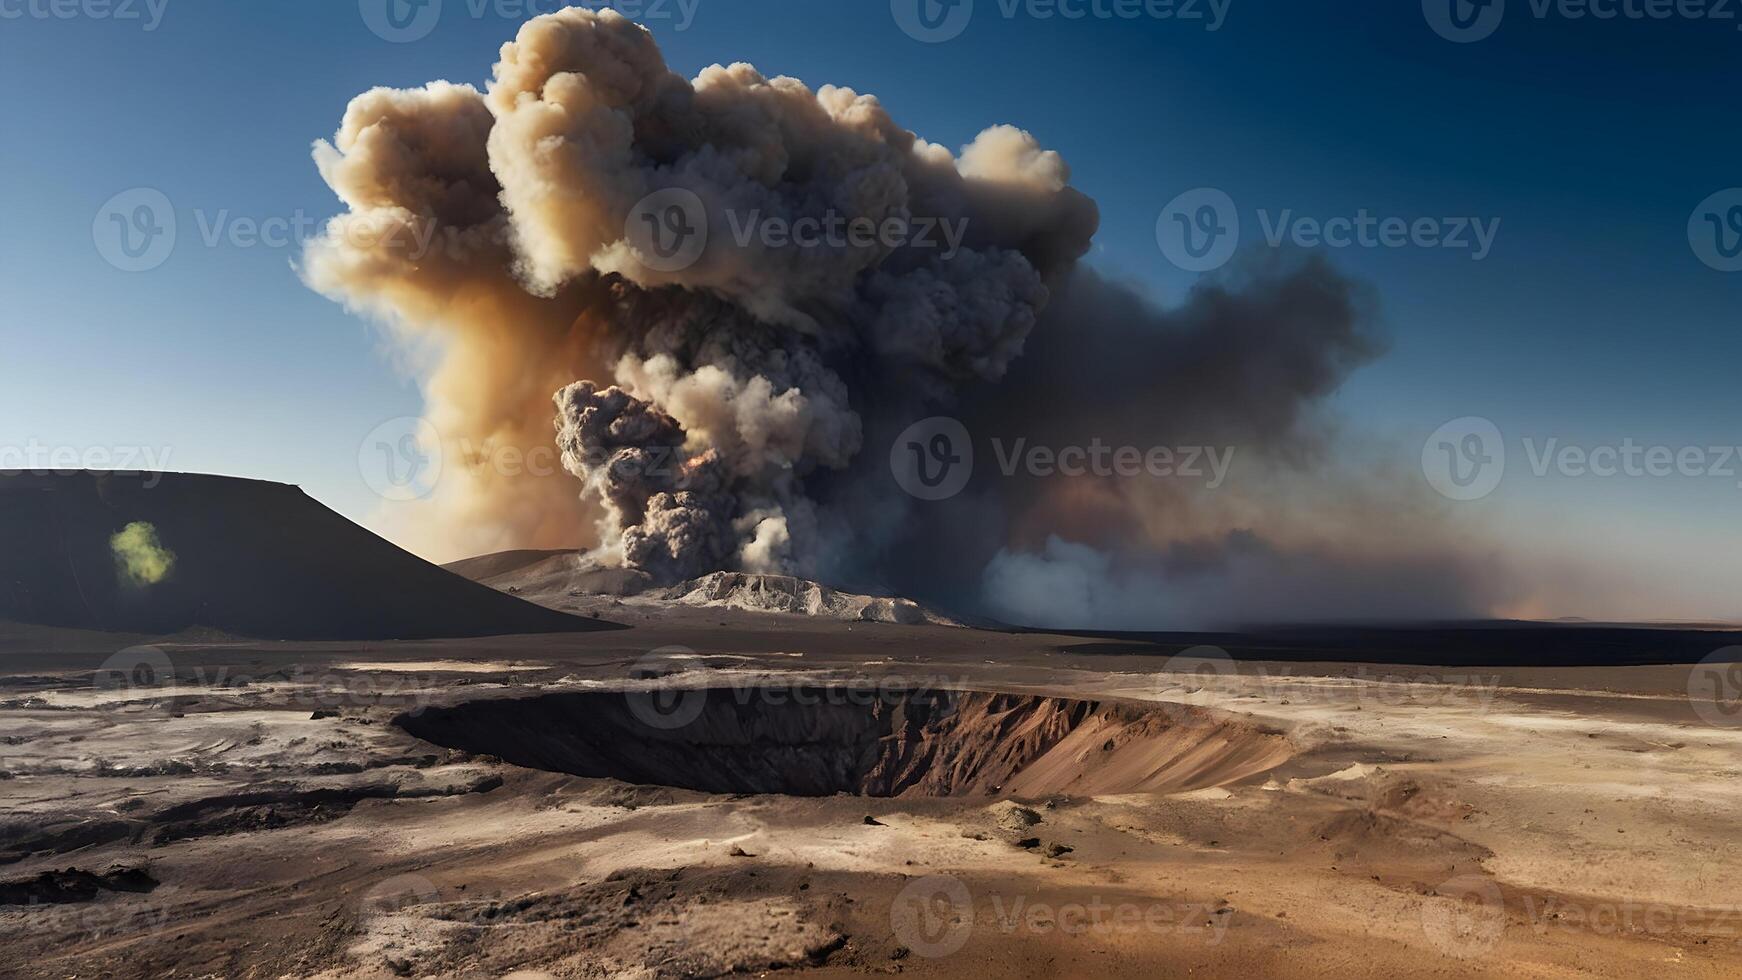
(1592, 142)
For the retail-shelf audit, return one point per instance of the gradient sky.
(1592, 141)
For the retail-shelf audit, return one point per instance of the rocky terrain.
(547, 806)
(567, 581)
(235, 743)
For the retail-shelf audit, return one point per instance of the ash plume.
(533, 285)
(734, 410)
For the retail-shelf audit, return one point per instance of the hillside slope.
(164, 552)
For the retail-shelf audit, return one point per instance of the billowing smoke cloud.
(532, 282)
(1309, 522)
(425, 247)
(729, 401)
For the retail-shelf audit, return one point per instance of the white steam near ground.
(736, 411)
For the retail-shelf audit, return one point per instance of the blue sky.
(1591, 141)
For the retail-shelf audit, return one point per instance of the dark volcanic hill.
(254, 558)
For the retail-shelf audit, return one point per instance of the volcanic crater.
(875, 742)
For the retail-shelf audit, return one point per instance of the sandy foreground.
(207, 807)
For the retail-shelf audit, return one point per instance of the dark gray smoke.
(730, 403)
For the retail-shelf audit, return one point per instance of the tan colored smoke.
(491, 232)
(737, 409)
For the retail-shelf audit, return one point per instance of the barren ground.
(1271, 820)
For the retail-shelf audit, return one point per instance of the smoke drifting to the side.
(1308, 523)
(734, 408)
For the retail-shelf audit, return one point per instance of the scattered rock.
(1028, 843)
(1017, 818)
(1058, 850)
(739, 852)
(336, 768)
(871, 821)
(74, 885)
